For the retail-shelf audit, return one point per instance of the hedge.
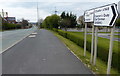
(103, 46)
(8, 26)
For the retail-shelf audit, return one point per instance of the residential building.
(11, 20)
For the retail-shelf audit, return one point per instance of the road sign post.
(95, 48)
(110, 50)
(88, 15)
(85, 39)
(92, 43)
(102, 16)
(106, 16)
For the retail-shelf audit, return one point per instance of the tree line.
(65, 20)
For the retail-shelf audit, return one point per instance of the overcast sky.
(27, 9)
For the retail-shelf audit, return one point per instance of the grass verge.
(100, 67)
(117, 36)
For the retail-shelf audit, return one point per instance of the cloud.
(28, 10)
(59, 0)
(26, 13)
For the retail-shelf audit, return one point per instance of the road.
(8, 38)
(103, 35)
(43, 54)
(107, 36)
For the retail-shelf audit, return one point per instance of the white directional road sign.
(105, 15)
(89, 16)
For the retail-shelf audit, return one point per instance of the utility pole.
(55, 11)
(38, 16)
(2, 13)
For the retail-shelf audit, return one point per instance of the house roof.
(11, 18)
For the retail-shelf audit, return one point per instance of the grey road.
(8, 38)
(43, 54)
(107, 36)
(103, 35)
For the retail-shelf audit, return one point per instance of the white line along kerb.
(34, 33)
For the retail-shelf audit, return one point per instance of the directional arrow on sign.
(106, 15)
(115, 14)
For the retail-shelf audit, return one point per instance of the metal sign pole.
(96, 40)
(92, 43)
(85, 40)
(110, 50)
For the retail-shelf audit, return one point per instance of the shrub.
(8, 26)
(54, 29)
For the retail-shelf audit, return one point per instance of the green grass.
(100, 67)
(117, 36)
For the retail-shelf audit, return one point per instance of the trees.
(118, 22)
(65, 23)
(68, 20)
(39, 23)
(65, 20)
(24, 22)
(81, 20)
(51, 21)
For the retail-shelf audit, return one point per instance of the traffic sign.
(105, 15)
(89, 16)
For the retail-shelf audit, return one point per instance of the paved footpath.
(44, 54)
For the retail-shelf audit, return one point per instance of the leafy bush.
(54, 29)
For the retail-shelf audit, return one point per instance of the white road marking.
(34, 33)
(32, 36)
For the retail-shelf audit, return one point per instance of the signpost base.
(85, 40)
(92, 44)
(110, 50)
(96, 40)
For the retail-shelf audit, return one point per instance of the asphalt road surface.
(107, 36)
(43, 54)
(10, 37)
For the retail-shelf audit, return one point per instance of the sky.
(27, 9)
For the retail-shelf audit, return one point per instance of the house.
(11, 19)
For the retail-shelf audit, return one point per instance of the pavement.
(42, 53)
